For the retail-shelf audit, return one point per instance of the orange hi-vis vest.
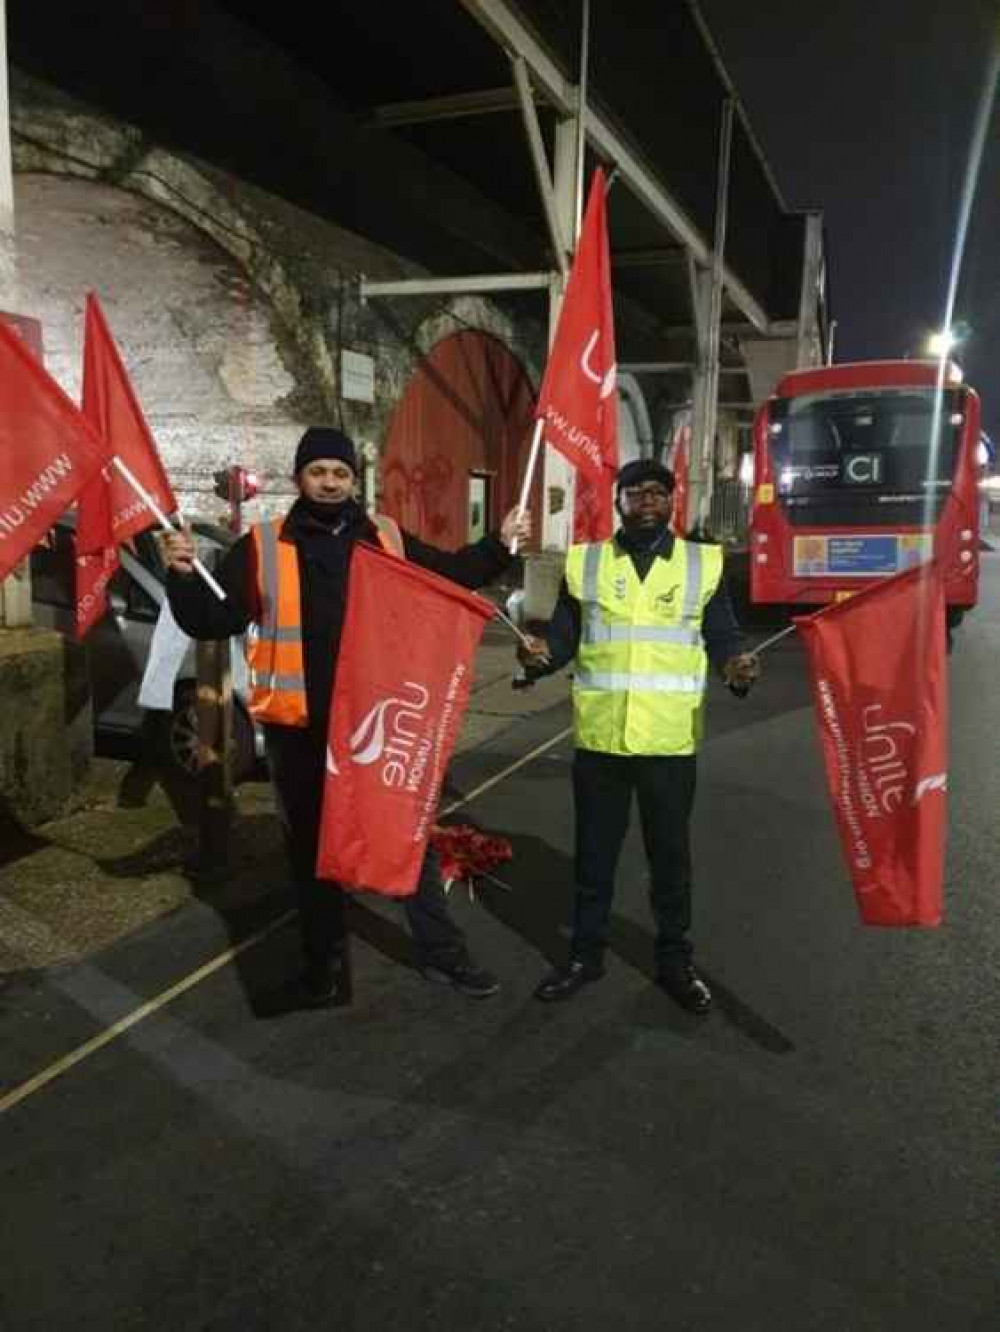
(274, 643)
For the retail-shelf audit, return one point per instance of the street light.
(941, 344)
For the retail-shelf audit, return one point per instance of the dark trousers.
(297, 761)
(602, 792)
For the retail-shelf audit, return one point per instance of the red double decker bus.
(851, 484)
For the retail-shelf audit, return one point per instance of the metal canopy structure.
(299, 98)
(445, 131)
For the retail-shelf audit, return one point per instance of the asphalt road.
(819, 1155)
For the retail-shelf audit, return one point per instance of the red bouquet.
(467, 854)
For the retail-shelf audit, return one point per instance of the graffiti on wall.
(420, 494)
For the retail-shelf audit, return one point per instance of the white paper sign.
(357, 376)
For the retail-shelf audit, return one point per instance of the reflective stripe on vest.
(663, 684)
(274, 651)
(641, 664)
(595, 630)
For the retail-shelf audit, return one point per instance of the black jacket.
(324, 560)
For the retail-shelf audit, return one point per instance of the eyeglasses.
(653, 491)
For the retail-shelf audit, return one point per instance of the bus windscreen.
(864, 457)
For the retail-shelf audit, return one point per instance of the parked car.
(117, 651)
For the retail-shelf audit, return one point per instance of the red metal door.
(468, 408)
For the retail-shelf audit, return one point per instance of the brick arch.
(47, 140)
(467, 408)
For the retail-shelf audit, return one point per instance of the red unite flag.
(110, 510)
(48, 453)
(680, 465)
(577, 401)
(403, 677)
(879, 682)
(93, 574)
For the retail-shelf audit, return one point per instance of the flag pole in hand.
(512, 627)
(775, 638)
(529, 475)
(164, 521)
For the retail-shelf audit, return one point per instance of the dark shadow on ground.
(16, 841)
(634, 945)
(539, 909)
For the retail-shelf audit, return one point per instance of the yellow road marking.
(493, 781)
(68, 1061)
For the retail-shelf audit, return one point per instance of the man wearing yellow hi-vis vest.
(643, 614)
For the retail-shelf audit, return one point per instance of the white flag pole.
(775, 638)
(518, 633)
(529, 474)
(164, 521)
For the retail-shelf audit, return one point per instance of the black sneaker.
(687, 988)
(466, 977)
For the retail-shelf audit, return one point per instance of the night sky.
(866, 110)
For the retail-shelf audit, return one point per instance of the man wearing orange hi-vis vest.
(288, 580)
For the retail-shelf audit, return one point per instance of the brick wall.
(231, 307)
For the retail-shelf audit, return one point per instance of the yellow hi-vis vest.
(641, 667)
(274, 645)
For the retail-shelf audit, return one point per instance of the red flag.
(679, 465)
(593, 507)
(48, 453)
(403, 679)
(111, 511)
(880, 690)
(93, 573)
(577, 401)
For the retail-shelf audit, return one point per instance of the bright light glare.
(746, 469)
(940, 344)
(982, 454)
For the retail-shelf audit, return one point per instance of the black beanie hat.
(325, 442)
(644, 469)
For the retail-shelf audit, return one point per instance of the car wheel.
(182, 736)
(182, 731)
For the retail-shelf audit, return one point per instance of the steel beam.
(675, 368)
(455, 286)
(703, 443)
(662, 258)
(507, 28)
(656, 367)
(809, 349)
(540, 162)
(458, 106)
(723, 406)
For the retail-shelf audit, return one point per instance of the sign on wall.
(357, 376)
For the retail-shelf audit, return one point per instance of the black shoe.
(468, 978)
(322, 989)
(564, 982)
(328, 989)
(684, 985)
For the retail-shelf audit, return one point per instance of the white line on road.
(109, 1034)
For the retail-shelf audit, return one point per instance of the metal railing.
(730, 515)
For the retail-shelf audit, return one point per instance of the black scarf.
(644, 544)
(325, 535)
